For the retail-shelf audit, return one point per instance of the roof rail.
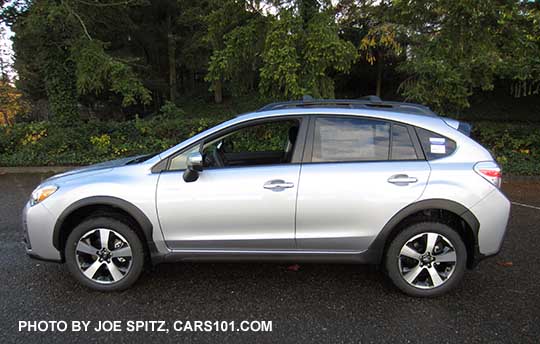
(372, 98)
(367, 102)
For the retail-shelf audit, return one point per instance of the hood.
(101, 167)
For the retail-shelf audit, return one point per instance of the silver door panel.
(229, 208)
(343, 206)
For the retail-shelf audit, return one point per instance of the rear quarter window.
(435, 146)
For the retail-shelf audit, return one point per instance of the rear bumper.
(492, 213)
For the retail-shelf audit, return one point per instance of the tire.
(112, 269)
(413, 267)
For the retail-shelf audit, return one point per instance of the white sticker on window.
(438, 145)
(437, 140)
(438, 149)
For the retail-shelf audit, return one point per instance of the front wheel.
(104, 254)
(426, 259)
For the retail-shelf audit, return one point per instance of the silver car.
(348, 181)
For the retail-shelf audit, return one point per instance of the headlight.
(41, 193)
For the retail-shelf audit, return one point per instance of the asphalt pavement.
(499, 301)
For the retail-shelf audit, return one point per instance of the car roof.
(415, 119)
(368, 102)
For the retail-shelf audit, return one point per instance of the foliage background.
(104, 78)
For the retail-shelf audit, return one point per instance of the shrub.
(515, 146)
(170, 110)
(42, 143)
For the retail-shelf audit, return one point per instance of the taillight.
(490, 171)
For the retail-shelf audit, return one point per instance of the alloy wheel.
(427, 260)
(103, 256)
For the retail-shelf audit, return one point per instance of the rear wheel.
(104, 254)
(426, 259)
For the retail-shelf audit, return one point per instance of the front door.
(245, 197)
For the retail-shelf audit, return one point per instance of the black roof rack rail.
(367, 102)
(371, 98)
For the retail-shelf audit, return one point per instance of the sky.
(6, 50)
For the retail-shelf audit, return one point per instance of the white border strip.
(526, 205)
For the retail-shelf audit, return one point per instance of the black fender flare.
(132, 210)
(378, 245)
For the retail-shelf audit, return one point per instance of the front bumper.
(38, 227)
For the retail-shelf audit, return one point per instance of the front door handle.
(402, 179)
(277, 184)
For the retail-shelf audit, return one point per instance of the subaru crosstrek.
(356, 181)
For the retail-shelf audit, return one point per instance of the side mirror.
(194, 167)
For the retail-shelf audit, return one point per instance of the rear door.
(357, 173)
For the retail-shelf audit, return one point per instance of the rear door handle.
(402, 179)
(277, 184)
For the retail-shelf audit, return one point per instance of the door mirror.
(194, 165)
(195, 162)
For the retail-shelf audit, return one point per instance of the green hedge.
(44, 143)
(515, 146)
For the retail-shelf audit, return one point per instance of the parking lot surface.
(499, 301)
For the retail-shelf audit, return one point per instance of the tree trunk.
(218, 92)
(379, 75)
(6, 118)
(171, 49)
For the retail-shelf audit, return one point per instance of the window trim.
(310, 140)
(165, 164)
(416, 141)
(412, 136)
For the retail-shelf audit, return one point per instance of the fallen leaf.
(294, 267)
(505, 264)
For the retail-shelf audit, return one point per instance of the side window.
(260, 144)
(265, 137)
(350, 139)
(435, 146)
(179, 161)
(402, 145)
(266, 143)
